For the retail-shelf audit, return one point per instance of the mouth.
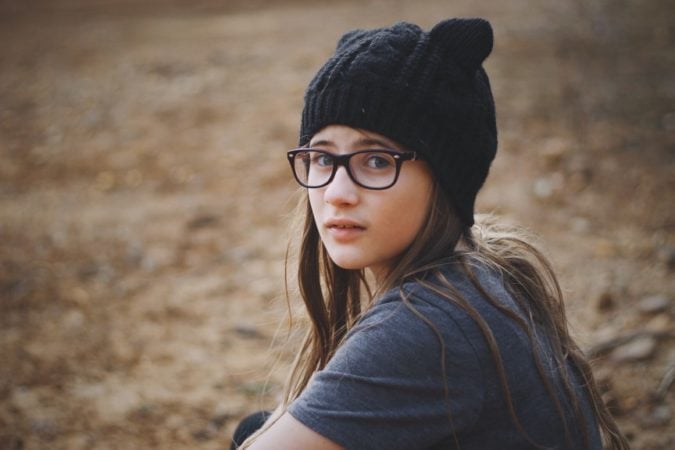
(344, 230)
(343, 224)
(345, 227)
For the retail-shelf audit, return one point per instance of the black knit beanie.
(427, 91)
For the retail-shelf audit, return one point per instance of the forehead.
(341, 136)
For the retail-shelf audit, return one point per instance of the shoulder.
(448, 294)
(423, 317)
(418, 320)
(407, 357)
(451, 310)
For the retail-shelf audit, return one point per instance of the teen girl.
(427, 331)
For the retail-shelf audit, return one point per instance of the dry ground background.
(145, 198)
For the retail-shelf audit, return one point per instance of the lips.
(343, 224)
(344, 230)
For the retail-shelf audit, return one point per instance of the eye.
(379, 161)
(322, 159)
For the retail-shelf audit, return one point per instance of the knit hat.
(427, 91)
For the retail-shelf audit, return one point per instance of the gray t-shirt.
(388, 387)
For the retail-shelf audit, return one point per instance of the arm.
(385, 387)
(289, 434)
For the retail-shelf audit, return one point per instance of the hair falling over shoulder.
(334, 299)
(532, 282)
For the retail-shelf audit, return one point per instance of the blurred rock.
(661, 415)
(205, 434)
(248, 331)
(659, 323)
(654, 304)
(203, 221)
(605, 302)
(134, 254)
(45, 429)
(580, 225)
(133, 178)
(667, 256)
(220, 420)
(175, 422)
(553, 151)
(580, 170)
(638, 349)
(605, 249)
(76, 295)
(73, 321)
(105, 181)
(546, 188)
(157, 256)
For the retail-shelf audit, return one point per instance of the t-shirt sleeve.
(388, 385)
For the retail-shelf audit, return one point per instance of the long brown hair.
(334, 299)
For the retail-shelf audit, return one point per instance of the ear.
(466, 41)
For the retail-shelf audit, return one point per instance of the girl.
(428, 331)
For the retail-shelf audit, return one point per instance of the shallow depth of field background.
(145, 201)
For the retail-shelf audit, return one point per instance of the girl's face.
(365, 228)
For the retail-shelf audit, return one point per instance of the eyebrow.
(362, 142)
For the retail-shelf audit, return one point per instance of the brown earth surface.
(145, 201)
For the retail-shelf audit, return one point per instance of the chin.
(348, 263)
(349, 266)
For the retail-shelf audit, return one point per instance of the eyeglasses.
(372, 169)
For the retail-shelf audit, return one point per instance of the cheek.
(315, 202)
(412, 209)
(405, 218)
(414, 218)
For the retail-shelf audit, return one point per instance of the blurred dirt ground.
(145, 201)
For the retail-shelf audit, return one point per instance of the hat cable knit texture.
(427, 91)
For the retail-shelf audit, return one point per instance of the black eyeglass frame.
(343, 160)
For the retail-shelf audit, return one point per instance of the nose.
(342, 190)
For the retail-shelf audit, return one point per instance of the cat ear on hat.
(466, 41)
(350, 38)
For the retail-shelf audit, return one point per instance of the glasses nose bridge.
(343, 161)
